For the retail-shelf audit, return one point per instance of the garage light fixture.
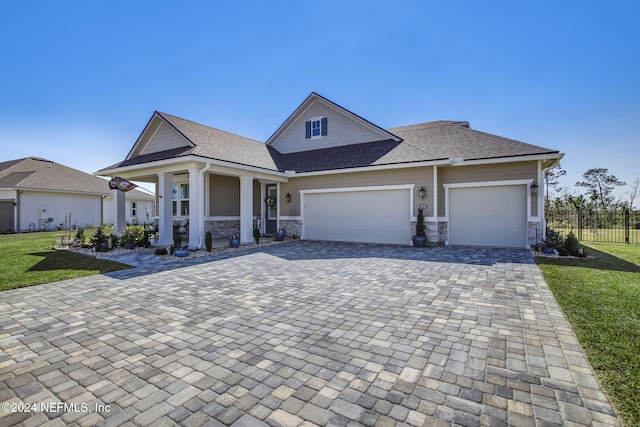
(422, 192)
(288, 197)
(534, 189)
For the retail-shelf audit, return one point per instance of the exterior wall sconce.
(534, 190)
(422, 192)
(288, 198)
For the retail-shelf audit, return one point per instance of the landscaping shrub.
(208, 241)
(80, 235)
(160, 251)
(554, 240)
(99, 238)
(177, 239)
(571, 244)
(420, 225)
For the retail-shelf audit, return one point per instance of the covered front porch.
(195, 197)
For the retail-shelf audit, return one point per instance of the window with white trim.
(180, 198)
(134, 209)
(317, 127)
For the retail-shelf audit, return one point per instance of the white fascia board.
(66, 192)
(555, 156)
(444, 162)
(178, 164)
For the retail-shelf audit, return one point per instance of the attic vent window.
(316, 127)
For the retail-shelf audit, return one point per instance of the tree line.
(598, 195)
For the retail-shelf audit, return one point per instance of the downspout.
(201, 205)
(102, 208)
(17, 211)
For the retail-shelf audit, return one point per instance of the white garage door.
(372, 216)
(488, 216)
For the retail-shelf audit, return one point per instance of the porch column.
(119, 222)
(165, 209)
(246, 209)
(435, 202)
(194, 211)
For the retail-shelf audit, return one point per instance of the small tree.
(551, 179)
(99, 238)
(634, 193)
(420, 226)
(177, 241)
(208, 241)
(600, 185)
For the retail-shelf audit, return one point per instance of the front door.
(271, 209)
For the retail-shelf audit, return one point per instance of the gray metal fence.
(598, 226)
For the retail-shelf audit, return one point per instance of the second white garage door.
(488, 216)
(368, 216)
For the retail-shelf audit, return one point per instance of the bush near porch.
(601, 298)
(27, 259)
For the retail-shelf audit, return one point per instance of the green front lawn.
(27, 259)
(601, 298)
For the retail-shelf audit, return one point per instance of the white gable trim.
(149, 132)
(314, 97)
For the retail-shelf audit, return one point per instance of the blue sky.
(79, 80)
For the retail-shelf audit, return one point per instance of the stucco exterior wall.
(85, 209)
(342, 130)
(419, 176)
(479, 173)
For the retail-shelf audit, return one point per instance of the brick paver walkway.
(298, 334)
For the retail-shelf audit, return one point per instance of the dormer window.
(317, 127)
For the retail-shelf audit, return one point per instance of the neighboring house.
(140, 207)
(328, 174)
(38, 194)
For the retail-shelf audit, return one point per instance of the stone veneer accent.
(223, 229)
(292, 226)
(535, 232)
(434, 231)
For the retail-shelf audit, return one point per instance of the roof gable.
(344, 128)
(159, 135)
(169, 137)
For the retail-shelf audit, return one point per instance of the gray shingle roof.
(210, 143)
(40, 174)
(448, 139)
(34, 173)
(439, 140)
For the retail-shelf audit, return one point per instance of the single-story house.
(37, 194)
(329, 174)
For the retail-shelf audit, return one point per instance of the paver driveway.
(300, 333)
